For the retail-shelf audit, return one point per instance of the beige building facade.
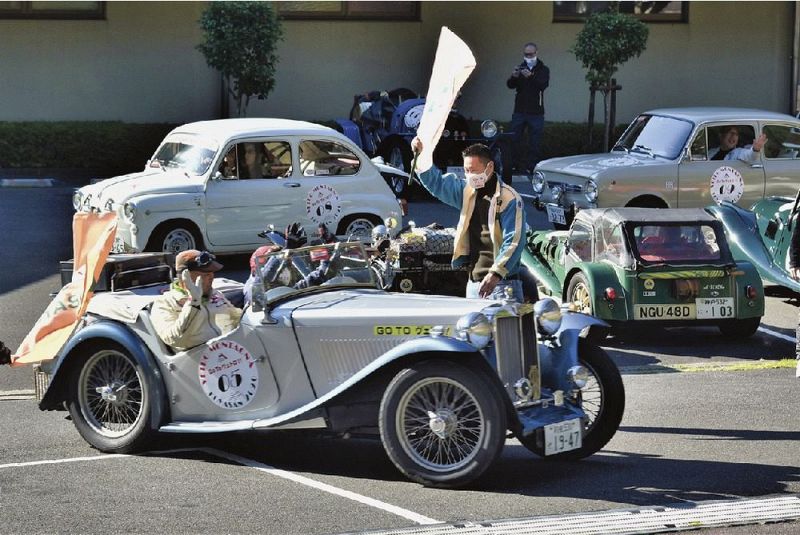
(138, 63)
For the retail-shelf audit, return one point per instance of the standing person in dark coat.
(794, 271)
(530, 78)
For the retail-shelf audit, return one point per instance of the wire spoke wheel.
(110, 393)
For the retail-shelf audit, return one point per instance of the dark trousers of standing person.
(529, 155)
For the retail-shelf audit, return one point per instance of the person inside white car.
(191, 312)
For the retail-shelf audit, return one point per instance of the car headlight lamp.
(129, 211)
(548, 315)
(556, 192)
(77, 199)
(489, 128)
(578, 376)
(475, 329)
(537, 182)
(590, 190)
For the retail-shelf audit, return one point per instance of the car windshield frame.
(657, 136)
(319, 267)
(652, 258)
(195, 155)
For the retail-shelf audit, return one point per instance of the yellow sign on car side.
(407, 330)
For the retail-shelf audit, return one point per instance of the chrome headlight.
(590, 190)
(77, 200)
(556, 192)
(578, 375)
(129, 210)
(475, 329)
(537, 181)
(109, 206)
(548, 315)
(489, 128)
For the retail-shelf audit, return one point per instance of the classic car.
(212, 185)
(666, 159)
(383, 123)
(660, 267)
(440, 380)
(762, 236)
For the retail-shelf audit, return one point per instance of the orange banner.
(92, 237)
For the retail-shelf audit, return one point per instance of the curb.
(27, 182)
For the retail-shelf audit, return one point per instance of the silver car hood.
(590, 165)
(149, 181)
(368, 307)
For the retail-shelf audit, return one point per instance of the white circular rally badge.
(413, 116)
(323, 205)
(228, 374)
(727, 184)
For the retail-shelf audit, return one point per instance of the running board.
(207, 427)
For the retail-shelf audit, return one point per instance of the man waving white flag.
(452, 66)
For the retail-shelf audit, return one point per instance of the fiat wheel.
(358, 227)
(111, 400)
(174, 237)
(440, 424)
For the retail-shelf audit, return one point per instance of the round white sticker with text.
(727, 184)
(228, 374)
(323, 205)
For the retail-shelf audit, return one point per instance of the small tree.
(606, 41)
(240, 42)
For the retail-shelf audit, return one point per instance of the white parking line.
(777, 334)
(389, 508)
(62, 461)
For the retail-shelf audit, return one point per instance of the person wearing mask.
(191, 312)
(490, 235)
(529, 79)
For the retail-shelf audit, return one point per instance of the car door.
(252, 188)
(704, 180)
(782, 159)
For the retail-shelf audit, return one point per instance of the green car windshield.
(684, 243)
(296, 271)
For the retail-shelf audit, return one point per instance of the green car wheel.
(580, 293)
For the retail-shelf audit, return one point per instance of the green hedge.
(112, 148)
(107, 147)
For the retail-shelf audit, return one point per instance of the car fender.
(741, 232)
(57, 390)
(152, 210)
(748, 276)
(541, 271)
(598, 275)
(577, 321)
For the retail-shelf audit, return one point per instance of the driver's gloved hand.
(194, 288)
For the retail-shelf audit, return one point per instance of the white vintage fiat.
(215, 184)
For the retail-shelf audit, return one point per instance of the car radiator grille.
(517, 352)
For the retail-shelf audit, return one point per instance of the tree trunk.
(613, 117)
(590, 133)
(606, 115)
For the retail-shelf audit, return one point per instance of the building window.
(349, 10)
(645, 11)
(52, 10)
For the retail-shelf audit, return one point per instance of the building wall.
(140, 64)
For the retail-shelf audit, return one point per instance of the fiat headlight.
(489, 128)
(475, 329)
(537, 182)
(590, 190)
(77, 200)
(548, 315)
(129, 210)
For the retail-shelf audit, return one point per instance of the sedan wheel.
(441, 424)
(177, 240)
(359, 229)
(110, 401)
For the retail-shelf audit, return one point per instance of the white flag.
(453, 64)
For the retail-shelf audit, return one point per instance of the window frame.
(25, 11)
(682, 18)
(344, 13)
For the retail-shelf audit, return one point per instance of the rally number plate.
(555, 214)
(715, 308)
(563, 436)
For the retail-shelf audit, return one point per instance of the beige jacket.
(183, 326)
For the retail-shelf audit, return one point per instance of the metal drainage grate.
(678, 517)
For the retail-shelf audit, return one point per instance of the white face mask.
(530, 61)
(477, 180)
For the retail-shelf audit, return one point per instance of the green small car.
(667, 267)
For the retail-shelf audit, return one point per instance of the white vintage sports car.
(212, 185)
(440, 380)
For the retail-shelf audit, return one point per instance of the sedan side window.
(264, 159)
(699, 150)
(724, 139)
(580, 241)
(321, 158)
(783, 142)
